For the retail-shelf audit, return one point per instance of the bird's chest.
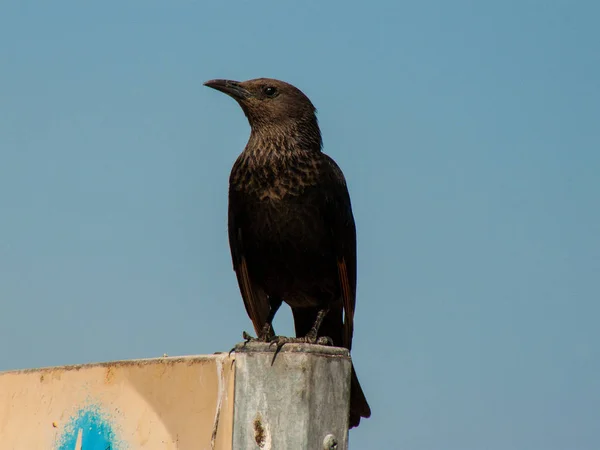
(269, 182)
(275, 175)
(279, 197)
(276, 218)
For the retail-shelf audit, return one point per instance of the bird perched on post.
(291, 228)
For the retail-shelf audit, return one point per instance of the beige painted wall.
(165, 403)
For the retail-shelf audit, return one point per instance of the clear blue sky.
(469, 133)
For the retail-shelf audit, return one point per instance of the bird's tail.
(358, 402)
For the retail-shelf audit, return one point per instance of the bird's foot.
(263, 337)
(310, 338)
(247, 338)
(280, 341)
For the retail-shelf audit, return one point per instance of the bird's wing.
(255, 299)
(338, 211)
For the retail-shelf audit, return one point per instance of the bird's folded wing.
(255, 299)
(338, 211)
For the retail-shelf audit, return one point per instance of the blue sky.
(468, 132)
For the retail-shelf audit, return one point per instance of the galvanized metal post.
(300, 402)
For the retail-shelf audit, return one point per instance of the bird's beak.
(229, 87)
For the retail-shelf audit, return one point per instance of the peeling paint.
(89, 429)
(221, 393)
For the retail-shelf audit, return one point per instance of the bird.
(292, 233)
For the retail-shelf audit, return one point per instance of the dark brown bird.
(291, 229)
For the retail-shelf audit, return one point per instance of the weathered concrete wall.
(298, 401)
(164, 403)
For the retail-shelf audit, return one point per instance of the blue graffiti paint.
(96, 431)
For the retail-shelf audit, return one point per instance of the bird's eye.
(270, 91)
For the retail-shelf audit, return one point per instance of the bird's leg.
(266, 333)
(312, 337)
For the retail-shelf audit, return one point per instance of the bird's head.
(268, 102)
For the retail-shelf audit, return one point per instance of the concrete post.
(300, 402)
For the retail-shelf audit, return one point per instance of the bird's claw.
(262, 337)
(325, 340)
(247, 338)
